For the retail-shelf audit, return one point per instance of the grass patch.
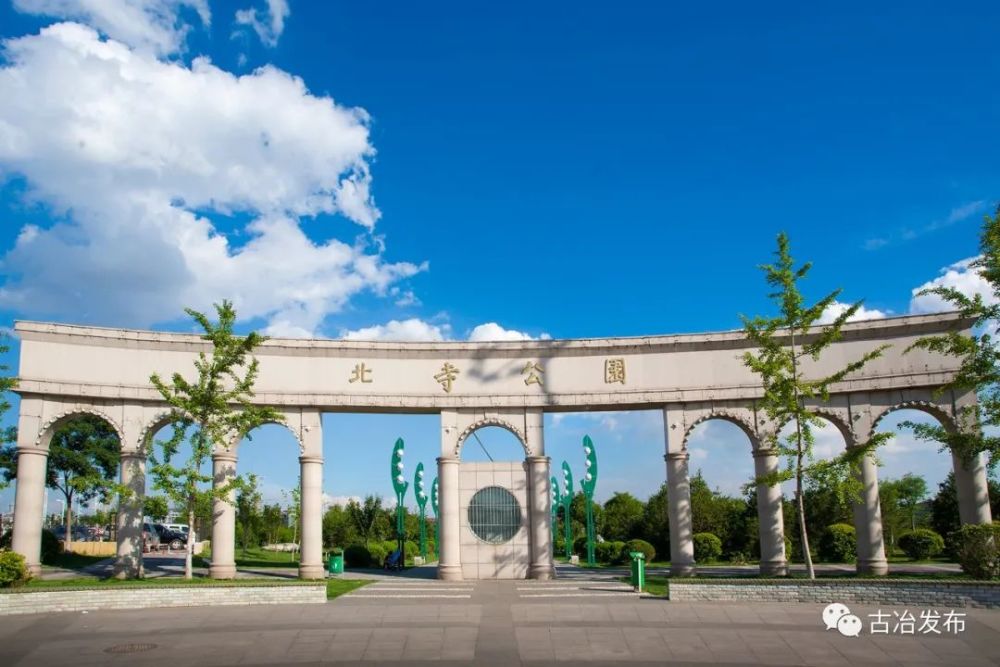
(93, 583)
(337, 587)
(655, 585)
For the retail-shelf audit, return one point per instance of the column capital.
(534, 460)
(450, 460)
(677, 456)
(35, 451)
(133, 455)
(227, 456)
(310, 459)
(764, 452)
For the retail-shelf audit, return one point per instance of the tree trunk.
(188, 572)
(68, 539)
(800, 501)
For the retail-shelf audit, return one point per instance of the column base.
(222, 571)
(776, 568)
(314, 571)
(450, 572)
(682, 569)
(878, 567)
(542, 572)
(34, 570)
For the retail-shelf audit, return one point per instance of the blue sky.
(449, 171)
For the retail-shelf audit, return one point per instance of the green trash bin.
(638, 570)
(336, 563)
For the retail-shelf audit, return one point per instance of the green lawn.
(337, 587)
(655, 585)
(255, 557)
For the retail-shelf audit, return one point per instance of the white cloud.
(835, 309)
(137, 151)
(268, 24)
(960, 276)
(491, 331)
(411, 330)
(955, 215)
(154, 25)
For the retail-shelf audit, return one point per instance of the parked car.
(150, 537)
(80, 533)
(175, 539)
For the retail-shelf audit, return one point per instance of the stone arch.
(237, 438)
(160, 420)
(838, 421)
(727, 416)
(491, 421)
(944, 417)
(49, 427)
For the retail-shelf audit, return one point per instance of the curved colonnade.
(67, 370)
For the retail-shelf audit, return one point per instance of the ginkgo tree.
(783, 342)
(210, 412)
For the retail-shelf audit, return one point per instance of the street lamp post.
(588, 483)
(399, 485)
(418, 483)
(567, 501)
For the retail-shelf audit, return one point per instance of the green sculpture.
(418, 483)
(588, 483)
(437, 519)
(399, 485)
(567, 501)
(556, 501)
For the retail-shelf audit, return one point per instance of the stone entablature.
(602, 373)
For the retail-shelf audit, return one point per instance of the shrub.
(639, 545)
(51, 546)
(739, 558)
(580, 546)
(608, 552)
(977, 548)
(921, 543)
(13, 569)
(357, 555)
(707, 547)
(838, 544)
(412, 549)
(378, 553)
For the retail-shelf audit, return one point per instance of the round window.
(494, 515)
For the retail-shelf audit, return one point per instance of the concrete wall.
(873, 592)
(155, 597)
(481, 560)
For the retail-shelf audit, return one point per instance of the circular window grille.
(494, 515)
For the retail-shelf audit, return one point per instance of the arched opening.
(917, 485)
(491, 443)
(266, 513)
(723, 495)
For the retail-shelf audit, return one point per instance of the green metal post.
(556, 501)
(567, 499)
(437, 520)
(588, 483)
(399, 485)
(418, 483)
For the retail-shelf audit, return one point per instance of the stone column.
(450, 563)
(311, 563)
(223, 518)
(770, 516)
(130, 516)
(679, 512)
(28, 501)
(973, 493)
(868, 521)
(540, 499)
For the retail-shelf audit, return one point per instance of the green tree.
(944, 516)
(155, 507)
(578, 514)
(8, 435)
(783, 343)
(622, 517)
(248, 512)
(365, 516)
(911, 490)
(294, 508)
(209, 412)
(272, 523)
(656, 521)
(338, 529)
(82, 464)
(979, 370)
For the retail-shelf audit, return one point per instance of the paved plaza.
(578, 618)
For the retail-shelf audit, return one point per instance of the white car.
(179, 527)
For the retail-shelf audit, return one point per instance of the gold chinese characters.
(361, 374)
(614, 371)
(534, 372)
(447, 376)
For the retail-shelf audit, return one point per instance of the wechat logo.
(837, 616)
